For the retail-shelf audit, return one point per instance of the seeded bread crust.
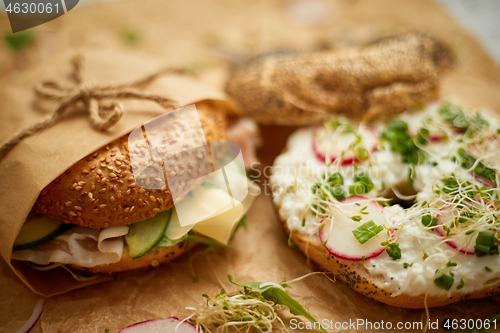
(387, 77)
(100, 191)
(154, 257)
(356, 276)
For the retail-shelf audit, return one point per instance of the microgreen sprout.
(256, 308)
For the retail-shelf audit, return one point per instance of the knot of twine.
(102, 113)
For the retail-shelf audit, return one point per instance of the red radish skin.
(341, 242)
(485, 181)
(169, 325)
(372, 147)
(37, 312)
(450, 242)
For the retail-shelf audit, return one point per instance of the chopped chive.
(394, 251)
(461, 284)
(366, 231)
(444, 281)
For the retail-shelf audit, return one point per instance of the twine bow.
(97, 100)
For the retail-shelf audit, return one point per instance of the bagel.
(386, 77)
(405, 211)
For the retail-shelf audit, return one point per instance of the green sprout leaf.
(19, 40)
(278, 296)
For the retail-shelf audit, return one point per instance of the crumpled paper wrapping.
(202, 36)
(39, 159)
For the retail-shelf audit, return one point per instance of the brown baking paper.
(203, 35)
(39, 159)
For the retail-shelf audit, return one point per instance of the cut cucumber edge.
(144, 235)
(30, 228)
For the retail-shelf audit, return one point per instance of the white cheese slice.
(219, 227)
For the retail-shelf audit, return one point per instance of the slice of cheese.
(219, 227)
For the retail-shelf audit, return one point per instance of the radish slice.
(329, 150)
(433, 136)
(485, 182)
(436, 137)
(340, 240)
(463, 244)
(169, 325)
(37, 312)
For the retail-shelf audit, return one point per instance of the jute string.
(102, 113)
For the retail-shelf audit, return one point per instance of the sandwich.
(142, 200)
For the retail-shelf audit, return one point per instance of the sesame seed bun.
(387, 77)
(100, 191)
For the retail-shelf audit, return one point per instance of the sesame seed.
(103, 181)
(103, 165)
(128, 192)
(110, 167)
(112, 199)
(156, 210)
(72, 213)
(78, 188)
(152, 198)
(99, 171)
(106, 225)
(81, 183)
(74, 186)
(102, 190)
(77, 208)
(91, 196)
(102, 206)
(118, 163)
(132, 208)
(120, 208)
(119, 195)
(85, 171)
(68, 203)
(131, 178)
(132, 185)
(92, 187)
(125, 219)
(127, 209)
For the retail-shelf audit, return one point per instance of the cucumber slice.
(37, 230)
(143, 236)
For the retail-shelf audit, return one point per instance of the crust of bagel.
(100, 191)
(154, 257)
(356, 276)
(388, 77)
